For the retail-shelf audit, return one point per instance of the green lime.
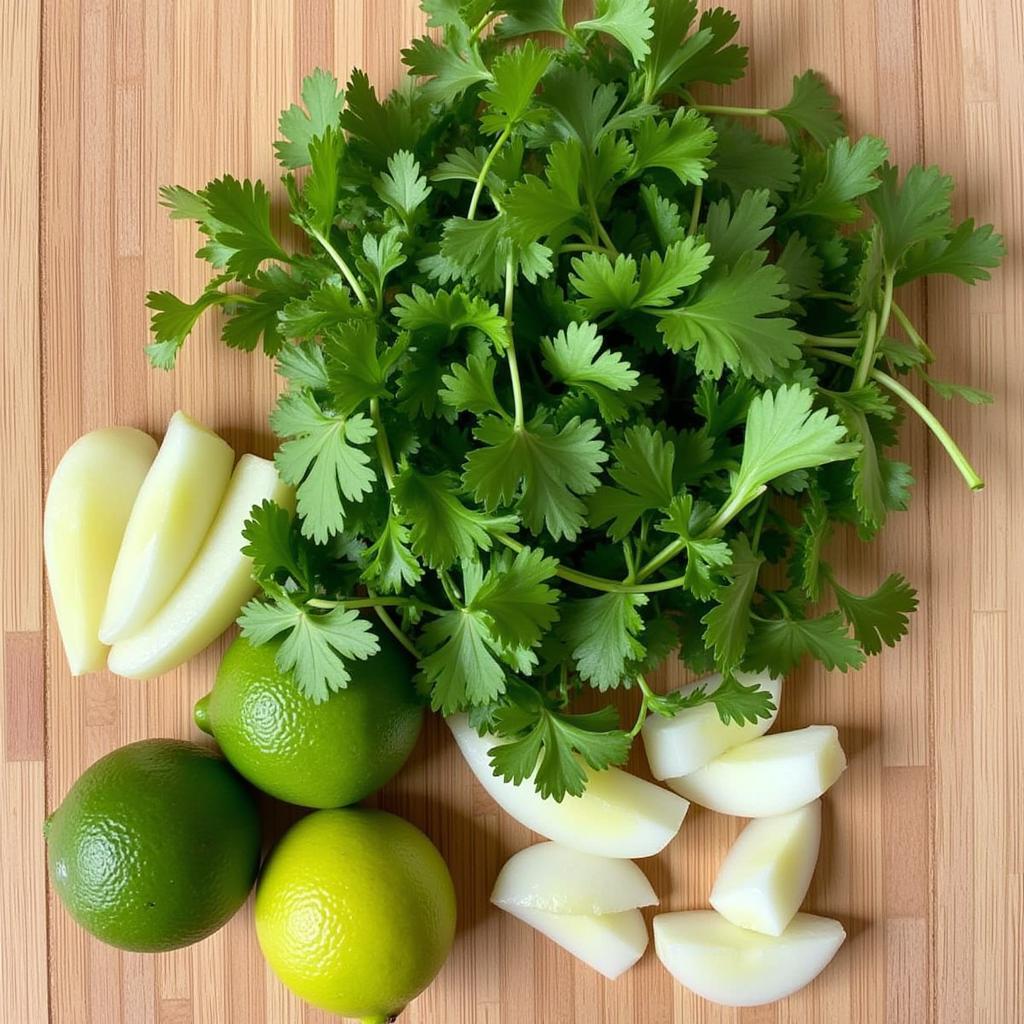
(315, 755)
(155, 846)
(355, 912)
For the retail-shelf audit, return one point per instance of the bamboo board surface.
(923, 851)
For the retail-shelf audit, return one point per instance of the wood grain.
(103, 100)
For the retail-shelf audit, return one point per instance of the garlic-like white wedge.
(689, 739)
(171, 516)
(215, 587)
(560, 880)
(619, 815)
(88, 504)
(771, 775)
(736, 967)
(610, 943)
(765, 875)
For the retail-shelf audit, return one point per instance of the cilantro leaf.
(729, 622)
(745, 161)
(515, 77)
(320, 188)
(324, 460)
(682, 145)
(575, 358)
(256, 317)
(323, 101)
(968, 253)
(778, 645)
(706, 557)
(712, 57)
(325, 306)
(801, 267)
(173, 320)
(811, 538)
(617, 287)
(539, 468)
(949, 389)
(729, 325)
(629, 21)
(377, 130)
(733, 232)
(276, 548)
(603, 636)
(832, 184)
(450, 67)
(881, 617)
(915, 211)
(354, 371)
(517, 601)
(538, 209)
(316, 646)
(390, 564)
(470, 387)
(812, 109)
(402, 186)
(525, 16)
(669, 47)
(462, 668)
(664, 216)
(552, 747)
(443, 529)
(241, 212)
(643, 470)
(450, 312)
(784, 435)
(734, 701)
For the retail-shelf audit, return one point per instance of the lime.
(355, 912)
(155, 846)
(314, 755)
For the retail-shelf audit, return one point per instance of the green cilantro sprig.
(578, 370)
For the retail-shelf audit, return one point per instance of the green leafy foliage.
(578, 373)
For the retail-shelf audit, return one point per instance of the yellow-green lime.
(155, 846)
(316, 755)
(355, 912)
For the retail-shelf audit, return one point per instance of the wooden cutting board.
(923, 856)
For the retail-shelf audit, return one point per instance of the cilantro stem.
(776, 600)
(867, 356)
(584, 579)
(595, 219)
(820, 341)
(737, 501)
(346, 270)
(387, 463)
(712, 108)
(396, 631)
(912, 333)
(755, 539)
(482, 24)
(485, 170)
(967, 471)
(837, 296)
(510, 352)
(698, 195)
(875, 332)
(627, 554)
(374, 602)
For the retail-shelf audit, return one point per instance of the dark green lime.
(155, 846)
(316, 755)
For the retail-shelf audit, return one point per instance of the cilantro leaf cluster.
(578, 371)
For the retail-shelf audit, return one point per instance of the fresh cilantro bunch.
(580, 371)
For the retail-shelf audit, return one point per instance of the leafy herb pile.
(572, 362)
